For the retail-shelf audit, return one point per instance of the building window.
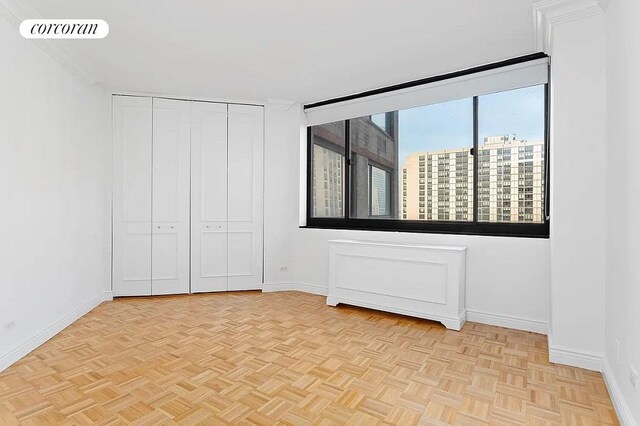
(475, 165)
(379, 192)
(382, 144)
(383, 122)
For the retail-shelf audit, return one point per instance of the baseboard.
(472, 316)
(46, 334)
(507, 321)
(305, 288)
(619, 404)
(587, 360)
(595, 362)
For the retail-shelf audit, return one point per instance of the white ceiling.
(298, 50)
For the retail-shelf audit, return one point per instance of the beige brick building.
(438, 185)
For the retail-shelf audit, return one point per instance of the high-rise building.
(511, 180)
(328, 169)
(438, 185)
(328, 184)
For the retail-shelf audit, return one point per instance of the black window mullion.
(547, 150)
(346, 203)
(475, 154)
(370, 189)
(309, 175)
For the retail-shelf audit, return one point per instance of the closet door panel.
(245, 153)
(208, 197)
(241, 252)
(132, 145)
(170, 197)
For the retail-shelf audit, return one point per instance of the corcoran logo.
(64, 28)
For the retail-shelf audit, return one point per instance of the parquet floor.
(253, 358)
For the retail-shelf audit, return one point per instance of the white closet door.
(170, 200)
(245, 151)
(131, 196)
(208, 197)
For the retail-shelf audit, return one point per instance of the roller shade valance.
(522, 74)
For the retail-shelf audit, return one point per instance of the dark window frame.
(346, 170)
(473, 227)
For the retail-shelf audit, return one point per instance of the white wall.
(578, 150)
(54, 204)
(505, 276)
(623, 195)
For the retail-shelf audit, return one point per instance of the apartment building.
(438, 185)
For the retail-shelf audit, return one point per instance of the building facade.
(328, 169)
(374, 166)
(438, 185)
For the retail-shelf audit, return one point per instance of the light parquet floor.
(254, 358)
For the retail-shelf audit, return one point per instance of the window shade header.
(465, 84)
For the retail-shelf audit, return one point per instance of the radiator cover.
(422, 281)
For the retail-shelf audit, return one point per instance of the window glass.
(327, 161)
(511, 156)
(380, 194)
(426, 155)
(435, 145)
(371, 146)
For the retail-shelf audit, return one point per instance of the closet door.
(245, 151)
(132, 145)
(170, 197)
(208, 197)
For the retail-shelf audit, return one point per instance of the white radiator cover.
(417, 280)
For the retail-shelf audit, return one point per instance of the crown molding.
(16, 11)
(548, 13)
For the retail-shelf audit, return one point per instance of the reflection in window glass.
(328, 169)
(371, 145)
(380, 195)
(511, 156)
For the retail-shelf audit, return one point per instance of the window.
(511, 128)
(472, 165)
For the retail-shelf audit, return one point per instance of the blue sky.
(450, 124)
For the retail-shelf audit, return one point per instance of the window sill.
(452, 228)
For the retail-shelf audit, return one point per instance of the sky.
(449, 125)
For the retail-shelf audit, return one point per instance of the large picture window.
(473, 165)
